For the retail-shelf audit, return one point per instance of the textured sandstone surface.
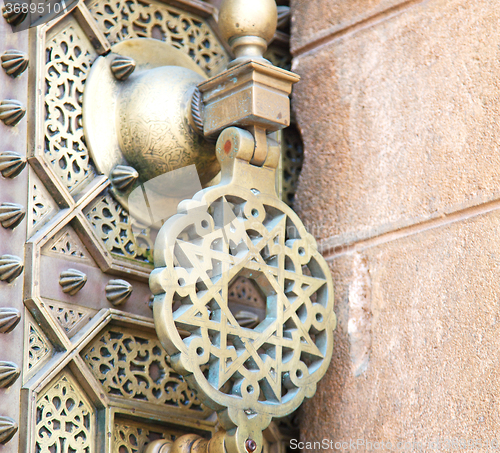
(435, 341)
(315, 18)
(400, 122)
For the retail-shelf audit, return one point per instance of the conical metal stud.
(123, 177)
(8, 428)
(9, 373)
(11, 214)
(14, 62)
(11, 164)
(122, 67)
(9, 319)
(11, 267)
(9, 14)
(247, 319)
(118, 291)
(284, 15)
(72, 281)
(11, 112)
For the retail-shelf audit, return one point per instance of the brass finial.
(248, 26)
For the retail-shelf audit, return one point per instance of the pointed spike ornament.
(8, 428)
(122, 67)
(247, 319)
(14, 62)
(123, 177)
(11, 16)
(11, 112)
(9, 319)
(11, 214)
(118, 291)
(9, 373)
(72, 281)
(11, 164)
(11, 267)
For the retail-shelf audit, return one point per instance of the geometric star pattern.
(230, 232)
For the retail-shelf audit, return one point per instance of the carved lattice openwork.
(129, 437)
(68, 60)
(113, 225)
(65, 419)
(39, 347)
(268, 369)
(134, 366)
(126, 19)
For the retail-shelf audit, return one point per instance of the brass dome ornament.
(122, 67)
(72, 281)
(11, 112)
(118, 292)
(8, 428)
(11, 214)
(9, 373)
(14, 62)
(144, 120)
(248, 26)
(11, 267)
(9, 319)
(11, 164)
(248, 370)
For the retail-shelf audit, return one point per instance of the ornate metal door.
(81, 367)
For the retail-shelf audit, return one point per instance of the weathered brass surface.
(9, 373)
(74, 220)
(11, 267)
(248, 27)
(9, 319)
(240, 228)
(144, 121)
(248, 371)
(11, 214)
(11, 112)
(251, 94)
(72, 281)
(118, 292)
(14, 62)
(11, 164)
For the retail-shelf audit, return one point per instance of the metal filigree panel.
(113, 225)
(69, 56)
(130, 437)
(70, 317)
(66, 244)
(65, 419)
(41, 205)
(134, 366)
(126, 19)
(38, 349)
(266, 242)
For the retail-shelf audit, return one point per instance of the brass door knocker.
(240, 228)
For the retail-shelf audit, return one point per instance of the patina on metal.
(137, 113)
(240, 228)
(86, 356)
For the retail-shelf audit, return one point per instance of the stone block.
(315, 19)
(400, 121)
(433, 369)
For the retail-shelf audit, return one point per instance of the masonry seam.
(412, 230)
(367, 22)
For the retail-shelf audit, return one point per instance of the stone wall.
(399, 110)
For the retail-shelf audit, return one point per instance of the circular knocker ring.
(240, 228)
